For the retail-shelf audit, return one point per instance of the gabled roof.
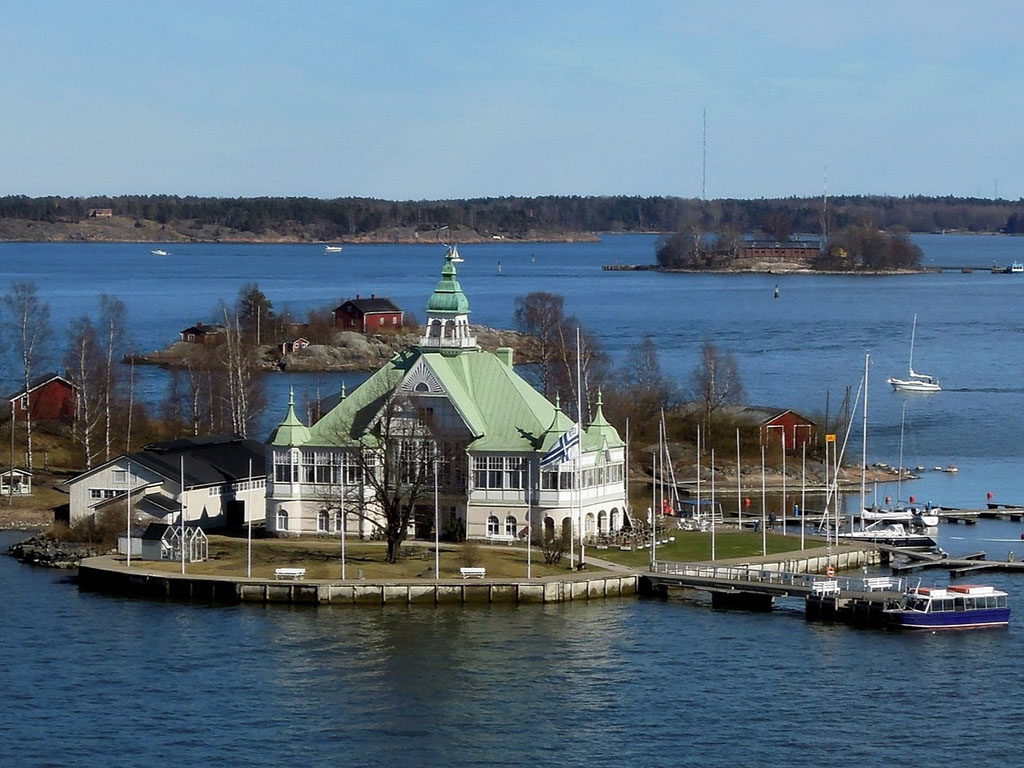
(203, 328)
(38, 382)
(755, 415)
(499, 408)
(368, 306)
(209, 460)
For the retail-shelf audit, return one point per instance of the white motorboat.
(332, 249)
(158, 252)
(914, 517)
(893, 534)
(915, 382)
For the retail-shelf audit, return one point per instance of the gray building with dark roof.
(223, 477)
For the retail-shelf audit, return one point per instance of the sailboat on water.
(915, 382)
(882, 531)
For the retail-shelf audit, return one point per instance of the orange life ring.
(830, 571)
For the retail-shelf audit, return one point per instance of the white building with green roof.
(488, 430)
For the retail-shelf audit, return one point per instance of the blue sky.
(404, 100)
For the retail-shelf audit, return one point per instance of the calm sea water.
(94, 680)
(88, 680)
(794, 351)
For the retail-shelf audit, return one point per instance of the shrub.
(470, 554)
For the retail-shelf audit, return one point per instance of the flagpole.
(248, 541)
(529, 517)
(764, 511)
(783, 481)
(803, 494)
(344, 515)
(579, 449)
(437, 523)
(128, 511)
(182, 457)
(712, 505)
(739, 490)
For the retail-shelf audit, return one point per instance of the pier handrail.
(754, 574)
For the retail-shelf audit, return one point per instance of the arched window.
(588, 524)
(567, 528)
(510, 526)
(282, 520)
(492, 526)
(339, 522)
(323, 521)
(615, 525)
(549, 528)
(602, 522)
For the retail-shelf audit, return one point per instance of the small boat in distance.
(915, 382)
(962, 606)
(158, 252)
(454, 250)
(332, 249)
(1015, 268)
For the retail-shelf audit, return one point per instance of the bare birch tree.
(27, 328)
(112, 324)
(83, 367)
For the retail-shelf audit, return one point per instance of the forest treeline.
(341, 218)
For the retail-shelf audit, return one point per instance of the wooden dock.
(749, 587)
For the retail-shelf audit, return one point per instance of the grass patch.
(694, 546)
(322, 560)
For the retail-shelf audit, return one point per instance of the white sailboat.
(915, 382)
(882, 530)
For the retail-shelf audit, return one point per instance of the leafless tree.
(26, 324)
(112, 336)
(392, 464)
(716, 379)
(83, 364)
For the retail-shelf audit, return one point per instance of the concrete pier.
(109, 574)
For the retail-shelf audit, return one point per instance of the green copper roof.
(448, 297)
(291, 431)
(500, 410)
(600, 431)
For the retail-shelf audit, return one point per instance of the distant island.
(567, 218)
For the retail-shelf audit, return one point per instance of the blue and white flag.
(566, 448)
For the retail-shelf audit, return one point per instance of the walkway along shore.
(109, 574)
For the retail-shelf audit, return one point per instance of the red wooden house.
(48, 398)
(368, 315)
(775, 426)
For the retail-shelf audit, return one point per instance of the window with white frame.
(549, 480)
(323, 521)
(495, 472)
(515, 472)
(493, 526)
(510, 525)
(282, 520)
(284, 470)
(120, 475)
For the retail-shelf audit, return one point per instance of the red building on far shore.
(368, 315)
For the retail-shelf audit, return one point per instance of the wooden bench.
(880, 584)
(473, 573)
(822, 588)
(289, 573)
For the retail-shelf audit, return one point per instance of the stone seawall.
(104, 574)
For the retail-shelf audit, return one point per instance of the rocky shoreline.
(348, 351)
(46, 552)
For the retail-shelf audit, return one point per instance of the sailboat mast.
(913, 333)
(864, 442)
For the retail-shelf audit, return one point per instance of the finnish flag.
(565, 449)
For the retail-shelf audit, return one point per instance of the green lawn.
(321, 557)
(693, 546)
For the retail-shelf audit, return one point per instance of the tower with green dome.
(448, 312)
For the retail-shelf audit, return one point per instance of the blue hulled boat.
(963, 606)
